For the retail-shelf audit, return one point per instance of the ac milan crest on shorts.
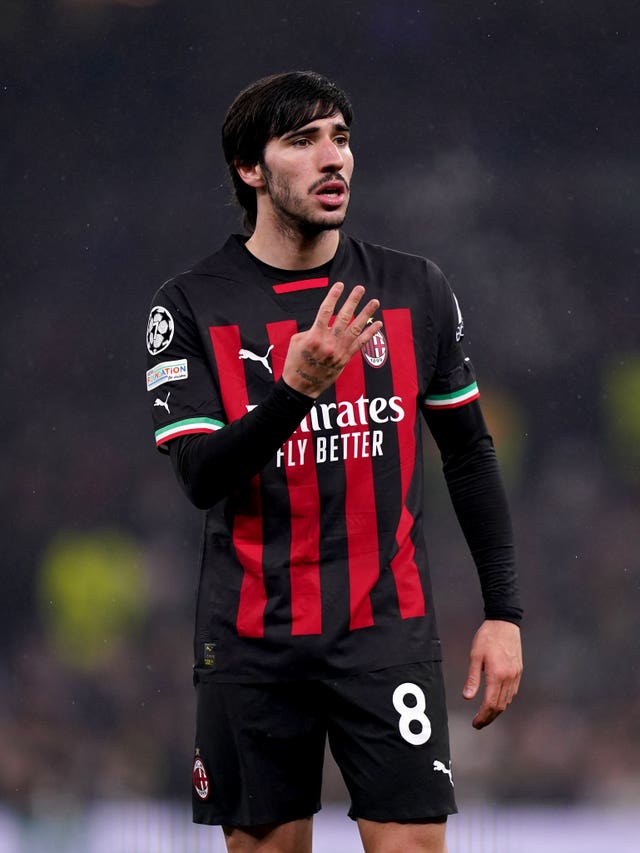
(200, 778)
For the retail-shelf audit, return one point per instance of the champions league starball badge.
(159, 330)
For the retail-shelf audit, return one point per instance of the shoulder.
(230, 261)
(412, 279)
(228, 264)
(395, 259)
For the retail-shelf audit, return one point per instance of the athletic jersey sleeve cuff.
(295, 396)
(513, 615)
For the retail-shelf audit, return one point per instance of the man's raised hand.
(318, 356)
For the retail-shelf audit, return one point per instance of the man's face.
(307, 175)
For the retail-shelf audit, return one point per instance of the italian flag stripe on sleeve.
(456, 398)
(186, 427)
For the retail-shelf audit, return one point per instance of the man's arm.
(478, 496)
(210, 466)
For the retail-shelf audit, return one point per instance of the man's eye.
(341, 140)
(301, 143)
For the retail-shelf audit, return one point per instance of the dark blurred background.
(500, 139)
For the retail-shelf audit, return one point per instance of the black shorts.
(259, 748)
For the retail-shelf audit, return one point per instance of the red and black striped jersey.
(317, 565)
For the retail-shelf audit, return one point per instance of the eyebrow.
(309, 130)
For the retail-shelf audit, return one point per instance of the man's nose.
(331, 159)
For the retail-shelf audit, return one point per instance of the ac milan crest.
(200, 778)
(375, 351)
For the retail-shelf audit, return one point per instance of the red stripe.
(303, 284)
(399, 333)
(304, 499)
(360, 507)
(247, 527)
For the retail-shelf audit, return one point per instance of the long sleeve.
(210, 466)
(477, 492)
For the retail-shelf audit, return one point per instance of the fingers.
(472, 683)
(327, 306)
(317, 356)
(345, 316)
(362, 328)
(489, 710)
(496, 653)
(498, 695)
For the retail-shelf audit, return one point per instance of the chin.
(328, 223)
(314, 229)
(314, 224)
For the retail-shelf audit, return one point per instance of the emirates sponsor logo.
(361, 444)
(348, 430)
(347, 413)
(375, 351)
(325, 417)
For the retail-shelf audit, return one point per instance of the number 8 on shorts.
(414, 713)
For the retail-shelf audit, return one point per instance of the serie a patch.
(167, 371)
(210, 654)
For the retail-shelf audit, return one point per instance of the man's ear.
(251, 174)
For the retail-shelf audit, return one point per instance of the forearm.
(480, 503)
(477, 492)
(209, 467)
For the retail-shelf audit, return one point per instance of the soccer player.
(288, 376)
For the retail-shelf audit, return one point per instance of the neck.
(293, 251)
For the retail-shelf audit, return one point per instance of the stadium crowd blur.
(498, 142)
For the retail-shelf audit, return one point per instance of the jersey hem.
(202, 673)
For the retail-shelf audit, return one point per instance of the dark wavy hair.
(273, 106)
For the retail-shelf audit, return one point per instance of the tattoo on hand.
(313, 380)
(310, 359)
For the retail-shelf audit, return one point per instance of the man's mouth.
(332, 192)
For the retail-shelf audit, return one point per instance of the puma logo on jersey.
(263, 359)
(438, 765)
(164, 403)
(460, 323)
